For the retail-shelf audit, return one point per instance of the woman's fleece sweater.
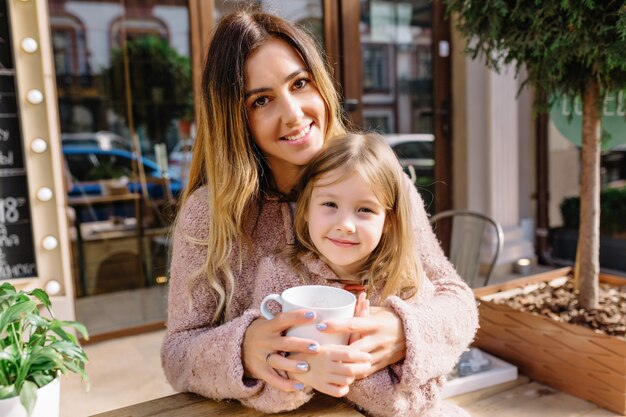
(206, 359)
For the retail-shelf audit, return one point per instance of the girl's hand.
(361, 310)
(382, 335)
(264, 340)
(333, 369)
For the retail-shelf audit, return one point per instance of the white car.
(102, 139)
(416, 153)
(180, 158)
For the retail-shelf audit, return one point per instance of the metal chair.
(466, 239)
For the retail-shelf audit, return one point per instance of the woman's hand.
(263, 342)
(333, 369)
(381, 335)
(362, 309)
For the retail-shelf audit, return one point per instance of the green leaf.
(41, 296)
(15, 313)
(7, 392)
(42, 379)
(28, 396)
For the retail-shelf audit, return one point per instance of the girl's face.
(286, 113)
(346, 221)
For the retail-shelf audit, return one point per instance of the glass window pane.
(396, 46)
(306, 13)
(122, 67)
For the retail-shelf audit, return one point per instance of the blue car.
(89, 165)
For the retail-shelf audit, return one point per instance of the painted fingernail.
(299, 386)
(313, 347)
(321, 326)
(303, 366)
(309, 314)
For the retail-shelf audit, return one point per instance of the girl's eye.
(260, 102)
(329, 204)
(301, 83)
(365, 210)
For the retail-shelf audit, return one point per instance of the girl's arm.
(196, 355)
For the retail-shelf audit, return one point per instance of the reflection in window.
(70, 55)
(396, 37)
(306, 13)
(108, 54)
(136, 27)
(376, 64)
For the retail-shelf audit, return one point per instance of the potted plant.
(159, 78)
(567, 49)
(533, 323)
(34, 350)
(113, 178)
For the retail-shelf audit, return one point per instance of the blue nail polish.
(313, 347)
(309, 314)
(299, 386)
(303, 366)
(321, 326)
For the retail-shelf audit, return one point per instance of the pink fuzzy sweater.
(203, 358)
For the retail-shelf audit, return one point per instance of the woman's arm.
(196, 355)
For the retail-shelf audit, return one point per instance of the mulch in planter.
(560, 303)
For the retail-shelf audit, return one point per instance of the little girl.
(352, 225)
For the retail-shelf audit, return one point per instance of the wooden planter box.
(568, 357)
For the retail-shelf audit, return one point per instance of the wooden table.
(191, 405)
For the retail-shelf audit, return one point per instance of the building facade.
(118, 79)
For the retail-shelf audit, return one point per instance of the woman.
(268, 106)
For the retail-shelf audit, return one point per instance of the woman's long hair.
(224, 158)
(394, 266)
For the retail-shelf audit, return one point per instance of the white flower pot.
(47, 405)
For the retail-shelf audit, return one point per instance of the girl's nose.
(346, 225)
(292, 112)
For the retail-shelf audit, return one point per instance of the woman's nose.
(292, 111)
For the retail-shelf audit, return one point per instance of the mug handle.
(265, 312)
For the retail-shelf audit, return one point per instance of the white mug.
(326, 302)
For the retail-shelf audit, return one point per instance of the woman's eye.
(301, 83)
(260, 102)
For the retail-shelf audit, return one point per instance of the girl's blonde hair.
(225, 158)
(394, 266)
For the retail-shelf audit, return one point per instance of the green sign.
(613, 119)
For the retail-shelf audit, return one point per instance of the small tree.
(160, 84)
(569, 48)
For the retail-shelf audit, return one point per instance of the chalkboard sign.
(17, 254)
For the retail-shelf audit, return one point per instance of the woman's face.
(286, 113)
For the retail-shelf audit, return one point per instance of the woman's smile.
(299, 134)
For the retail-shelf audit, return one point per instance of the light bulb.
(53, 287)
(38, 145)
(34, 96)
(44, 194)
(29, 45)
(49, 242)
